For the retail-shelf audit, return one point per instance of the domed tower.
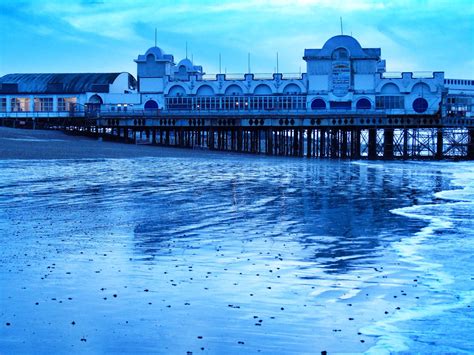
(152, 68)
(342, 67)
(185, 68)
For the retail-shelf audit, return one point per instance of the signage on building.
(341, 77)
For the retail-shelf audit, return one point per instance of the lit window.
(20, 104)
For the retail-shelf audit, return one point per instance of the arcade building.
(340, 77)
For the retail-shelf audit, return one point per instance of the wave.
(440, 274)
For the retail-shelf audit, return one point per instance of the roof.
(158, 54)
(343, 41)
(57, 83)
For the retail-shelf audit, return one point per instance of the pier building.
(346, 105)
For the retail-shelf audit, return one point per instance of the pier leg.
(125, 135)
(344, 144)
(239, 139)
(470, 145)
(322, 147)
(334, 143)
(372, 143)
(388, 143)
(211, 139)
(269, 141)
(355, 141)
(295, 142)
(405, 143)
(439, 144)
(309, 142)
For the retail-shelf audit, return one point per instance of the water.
(218, 253)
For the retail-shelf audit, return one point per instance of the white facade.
(341, 77)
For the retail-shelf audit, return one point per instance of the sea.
(214, 253)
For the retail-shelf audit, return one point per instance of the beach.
(115, 248)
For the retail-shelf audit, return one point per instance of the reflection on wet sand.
(214, 254)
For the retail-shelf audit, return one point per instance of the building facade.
(341, 78)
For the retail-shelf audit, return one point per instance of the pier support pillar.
(334, 143)
(439, 144)
(388, 143)
(125, 135)
(269, 141)
(344, 144)
(355, 142)
(322, 143)
(239, 140)
(301, 142)
(309, 142)
(470, 145)
(210, 142)
(372, 143)
(405, 143)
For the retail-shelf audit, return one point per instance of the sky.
(45, 36)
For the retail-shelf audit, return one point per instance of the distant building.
(341, 77)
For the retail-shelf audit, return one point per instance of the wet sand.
(46, 144)
(173, 251)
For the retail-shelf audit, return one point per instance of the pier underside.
(381, 137)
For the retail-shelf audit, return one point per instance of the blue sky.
(106, 35)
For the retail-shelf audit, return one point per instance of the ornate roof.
(57, 83)
(342, 41)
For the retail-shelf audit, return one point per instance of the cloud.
(412, 33)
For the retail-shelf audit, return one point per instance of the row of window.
(237, 103)
(458, 82)
(40, 104)
(459, 100)
(389, 102)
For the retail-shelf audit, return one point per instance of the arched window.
(151, 105)
(363, 104)
(205, 90)
(318, 104)
(291, 89)
(340, 54)
(262, 89)
(176, 90)
(420, 105)
(233, 90)
(95, 99)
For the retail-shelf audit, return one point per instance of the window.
(19, 104)
(389, 102)
(67, 103)
(363, 104)
(420, 105)
(43, 104)
(318, 104)
(340, 105)
(3, 104)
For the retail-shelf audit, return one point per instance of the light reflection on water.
(252, 254)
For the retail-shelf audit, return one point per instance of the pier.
(338, 136)
(345, 106)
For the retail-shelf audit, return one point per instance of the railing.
(231, 112)
(415, 75)
(256, 76)
(41, 114)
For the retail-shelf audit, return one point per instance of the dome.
(187, 63)
(156, 51)
(347, 42)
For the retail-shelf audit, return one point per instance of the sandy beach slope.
(39, 144)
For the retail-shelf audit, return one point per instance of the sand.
(43, 144)
(195, 252)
